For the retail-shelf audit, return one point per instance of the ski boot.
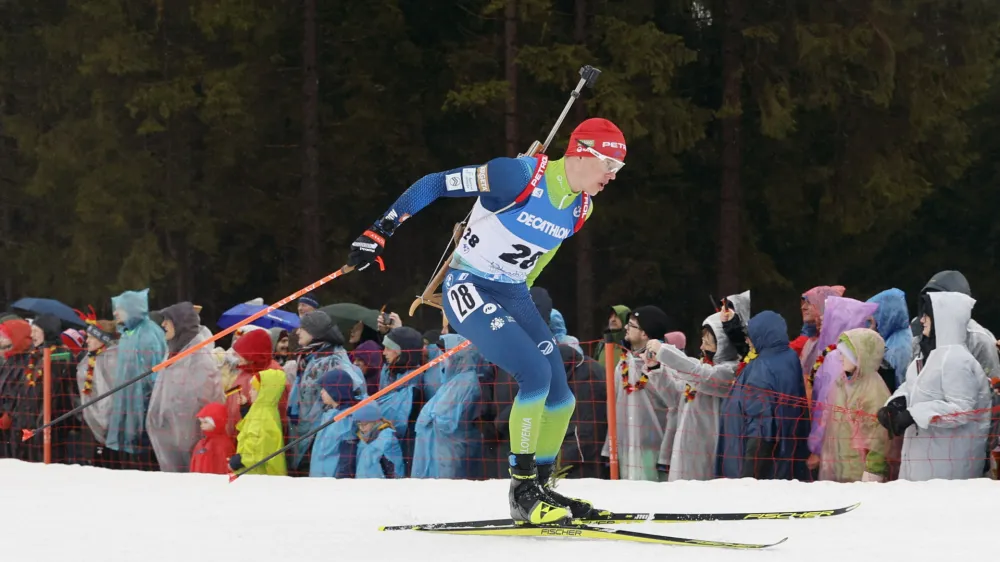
(529, 503)
(580, 509)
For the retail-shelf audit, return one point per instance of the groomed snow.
(79, 514)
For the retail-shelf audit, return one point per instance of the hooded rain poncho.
(703, 387)
(260, 431)
(142, 346)
(181, 391)
(853, 441)
(767, 403)
(948, 398)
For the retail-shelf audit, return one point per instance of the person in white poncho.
(702, 384)
(942, 410)
(644, 396)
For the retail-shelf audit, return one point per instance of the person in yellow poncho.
(260, 429)
(854, 445)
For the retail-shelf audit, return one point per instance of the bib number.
(464, 300)
(521, 256)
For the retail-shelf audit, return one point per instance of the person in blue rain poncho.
(403, 352)
(322, 351)
(765, 423)
(448, 444)
(334, 449)
(892, 323)
(379, 454)
(142, 346)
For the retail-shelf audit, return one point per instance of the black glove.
(236, 462)
(388, 469)
(894, 416)
(737, 336)
(367, 249)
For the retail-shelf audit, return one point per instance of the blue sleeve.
(498, 183)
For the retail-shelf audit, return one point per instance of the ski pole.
(29, 433)
(401, 381)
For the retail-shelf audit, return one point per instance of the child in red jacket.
(211, 454)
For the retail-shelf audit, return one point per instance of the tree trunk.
(312, 234)
(730, 236)
(585, 302)
(510, 75)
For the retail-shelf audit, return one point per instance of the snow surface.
(80, 514)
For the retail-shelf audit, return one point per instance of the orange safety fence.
(632, 421)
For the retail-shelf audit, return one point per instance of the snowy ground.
(78, 514)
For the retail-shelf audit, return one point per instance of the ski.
(615, 518)
(588, 532)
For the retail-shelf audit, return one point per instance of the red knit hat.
(601, 135)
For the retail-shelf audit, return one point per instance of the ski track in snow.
(81, 514)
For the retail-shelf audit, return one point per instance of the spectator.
(334, 450)
(841, 314)
(447, 442)
(260, 429)
(142, 346)
(253, 353)
(322, 351)
(979, 340)
(181, 389)
(71, 439)
(95, 376)
(643, 399)
(403, 353)
(368, 358)
(813, 306)
(16, 344)
(211, 454)
(890, 320)
(676, 339)
(941, 409)
(307, 303)
(279, 345)
(704, 383)
(854, 446)
(764, 418)
(617, 320)
(379, 454)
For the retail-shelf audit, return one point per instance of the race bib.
(464, 299)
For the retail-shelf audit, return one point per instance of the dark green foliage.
(151, 143)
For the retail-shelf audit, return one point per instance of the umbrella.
(353, 313)
(273, 319)
(34, 307)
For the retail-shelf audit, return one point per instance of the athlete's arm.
(497, 183)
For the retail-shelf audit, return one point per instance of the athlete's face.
(597, 175)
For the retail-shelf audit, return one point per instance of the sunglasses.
(613, 166)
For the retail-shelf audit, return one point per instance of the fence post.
(47, 404)
(609, 368)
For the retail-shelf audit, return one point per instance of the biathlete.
(527, 206)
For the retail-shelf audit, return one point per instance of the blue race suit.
(514, 228)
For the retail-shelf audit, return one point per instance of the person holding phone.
(704, 382)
